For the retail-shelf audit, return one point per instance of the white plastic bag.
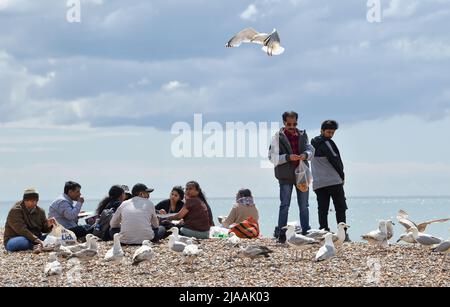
(60, 235)
(303, 177)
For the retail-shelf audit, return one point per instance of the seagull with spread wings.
(270, 42)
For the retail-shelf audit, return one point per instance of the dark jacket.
(328, 168)
(22, 222)
(165, 204)
(280, 150)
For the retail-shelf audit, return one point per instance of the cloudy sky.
(95, 101)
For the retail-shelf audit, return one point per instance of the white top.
(136, 217)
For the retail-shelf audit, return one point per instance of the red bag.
(247, 229)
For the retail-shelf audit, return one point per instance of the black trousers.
(335, 192)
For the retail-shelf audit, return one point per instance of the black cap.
(140, 187)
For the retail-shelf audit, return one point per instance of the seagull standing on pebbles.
(53, 267)
(389, 229)
(89, 253)
(407, 237)
(298, 241)
(424, 239)
(327, 251)
(143, 253)
(176, 246)
(233, 240)
(179, 238)
(270, 42)
(378, 237)
(191, 251)
(115, 253)
(254, 251)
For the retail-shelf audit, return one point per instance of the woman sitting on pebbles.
(106, 209)
(170, 206)
(25, 224)
(242, 210)
(196, 213)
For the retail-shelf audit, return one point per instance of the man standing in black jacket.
(328, 174)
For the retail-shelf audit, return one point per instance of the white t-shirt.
(135, 217)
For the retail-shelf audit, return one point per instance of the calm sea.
(362, 216)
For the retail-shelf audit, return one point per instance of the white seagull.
(179, 238)
(298, 241)
(254, 251)
(176, 246)
(233, 240)
(378, 237)
(424, 239)
(407, 237)
(191, 251)
(115, 253)
(53, 267)
(270, 42)
(89, 253)
(403, 219)
(143, 253)
(327, 251)
(390, 229)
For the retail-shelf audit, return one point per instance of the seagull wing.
(422, 226)
(245, 36)
(443, 247)
(428, 240)
(272, 44)
(408, 224)
(301, 240)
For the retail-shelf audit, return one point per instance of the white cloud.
(422, 48)
(173, 86)
(3, 4)
(250, 13)
(401, 8)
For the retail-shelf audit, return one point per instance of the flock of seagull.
(89, 250)
(331, 242)
(189, 248)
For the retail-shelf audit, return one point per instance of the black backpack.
(101, 227)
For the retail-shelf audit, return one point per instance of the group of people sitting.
(133, 215)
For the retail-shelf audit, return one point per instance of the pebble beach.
(357, 264)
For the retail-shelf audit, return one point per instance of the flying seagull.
(403, 218)
(270, 42)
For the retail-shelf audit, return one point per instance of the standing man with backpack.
(329, 176)
(289, 148)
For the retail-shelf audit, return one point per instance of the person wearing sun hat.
(136, 219)
(26, 223)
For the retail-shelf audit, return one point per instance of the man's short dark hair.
(71, 186)
(329, 125)
(290, 114)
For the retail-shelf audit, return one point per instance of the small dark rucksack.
(101, 227)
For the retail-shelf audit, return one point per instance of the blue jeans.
(303, 205)
(17, 244)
